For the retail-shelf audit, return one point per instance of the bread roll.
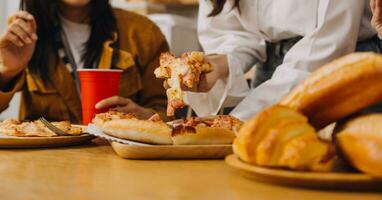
(256, 129)
(271, 146)
(281, 137)
(219, 129)
(202, 136)
(342, 87)
(360, 141)
(139, 130)
(307, 152)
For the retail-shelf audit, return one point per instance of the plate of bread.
(197, 138)
(281, 144)
(33, 134)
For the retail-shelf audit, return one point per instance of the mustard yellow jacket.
(140, 44)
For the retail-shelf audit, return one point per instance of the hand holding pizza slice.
(184, 71)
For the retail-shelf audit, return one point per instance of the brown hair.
(218, 6)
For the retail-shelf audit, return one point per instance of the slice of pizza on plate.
(13, 127)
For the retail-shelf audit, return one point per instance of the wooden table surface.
(94, 172)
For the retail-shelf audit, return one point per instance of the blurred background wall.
(176, 19)
(7, 7)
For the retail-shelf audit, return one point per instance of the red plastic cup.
(96, 85)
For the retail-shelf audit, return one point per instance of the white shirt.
(330, 29)
(77, 35)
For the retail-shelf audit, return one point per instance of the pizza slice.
(178, 72)
(12, 127)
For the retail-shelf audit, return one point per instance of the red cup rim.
(99, 70)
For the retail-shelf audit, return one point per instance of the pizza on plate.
(13, 127)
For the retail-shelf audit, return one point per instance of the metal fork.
(53, 128)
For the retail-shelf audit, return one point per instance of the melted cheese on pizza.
(185, 70)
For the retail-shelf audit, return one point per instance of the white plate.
(93, 130)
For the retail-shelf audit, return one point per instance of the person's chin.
(76, 3)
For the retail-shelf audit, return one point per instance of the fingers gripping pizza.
(178, 72)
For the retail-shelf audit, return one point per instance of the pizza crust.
(202, 136)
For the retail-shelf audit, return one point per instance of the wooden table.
(95, 172)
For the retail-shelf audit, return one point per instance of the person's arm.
(238, 50)
(17, 45)
(335, 35)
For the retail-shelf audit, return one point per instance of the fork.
(53, 128)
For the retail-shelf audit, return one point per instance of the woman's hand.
(220, 70)
(376, 21)
(124, 105)
(17, 44)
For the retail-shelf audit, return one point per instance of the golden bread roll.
(360, 141)
(256, 128)
(219, 129)
(271, 147)
(308, 152)
(201, 135)
(342, 87)
(146, 131)
(281, 137)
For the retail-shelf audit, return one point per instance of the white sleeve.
(335, 35)
(224, 34)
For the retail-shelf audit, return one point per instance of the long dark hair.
(218, 6)
(101, 19)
